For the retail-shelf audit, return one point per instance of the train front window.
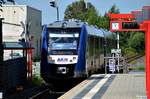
(63, 52)
(63, 43)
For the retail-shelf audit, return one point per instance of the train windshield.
(63, 43)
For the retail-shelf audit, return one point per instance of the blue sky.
(102, 6)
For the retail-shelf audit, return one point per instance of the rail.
(38, 94)
(29, 93)
(132, 58)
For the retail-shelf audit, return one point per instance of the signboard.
(115, 26)
(112, 65)
(115, 50)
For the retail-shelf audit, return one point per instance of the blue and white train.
(72, 49)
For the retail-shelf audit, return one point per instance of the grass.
(133, 62)
(137, 68)
(37, 80)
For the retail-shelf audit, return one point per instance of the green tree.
(82, 11)
(76, 10)
(92, 16)
(114, 9)
(104, 21)
(137, 41)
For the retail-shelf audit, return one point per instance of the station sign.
(115, 50)
(115, 26)
(124, 26)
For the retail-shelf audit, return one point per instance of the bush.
(129, 52)
(137, 41)
(137, 68)
(37, 80)
(36, 59)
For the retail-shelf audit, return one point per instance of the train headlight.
(50, 60)
(61, 70)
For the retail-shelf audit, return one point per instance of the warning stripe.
(78, 89)
(96, 88)
(95, 79)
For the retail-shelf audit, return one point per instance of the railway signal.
(53, 4)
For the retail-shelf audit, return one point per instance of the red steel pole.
(147, 27)
(30, 63)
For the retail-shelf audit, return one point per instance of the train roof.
(92, 30)
(68, 24)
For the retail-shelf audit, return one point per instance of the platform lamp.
(53, 4)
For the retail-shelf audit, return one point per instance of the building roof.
(27, 6)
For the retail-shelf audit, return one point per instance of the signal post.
(127, 22)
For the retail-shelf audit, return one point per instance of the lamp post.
(53, 4)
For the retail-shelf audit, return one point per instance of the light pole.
(104, 50)
(53, 4)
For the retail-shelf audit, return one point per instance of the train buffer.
(109, 86)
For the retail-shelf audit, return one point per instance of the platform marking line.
(96, 88)
(89, 87)
(74, 91)
(79, 88)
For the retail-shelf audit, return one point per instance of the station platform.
(109, 86)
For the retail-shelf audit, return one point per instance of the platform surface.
(109, 86)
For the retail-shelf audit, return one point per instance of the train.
(73, 49)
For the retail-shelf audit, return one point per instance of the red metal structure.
(116, 25)
(29, 63)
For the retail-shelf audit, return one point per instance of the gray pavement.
(110, 86)
(127, 86)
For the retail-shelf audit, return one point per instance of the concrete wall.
(13, 16)
(12, 28)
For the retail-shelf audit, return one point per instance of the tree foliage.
(114, 9)
(137, 41)
(104, 20)
(81, 11)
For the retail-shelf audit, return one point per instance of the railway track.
(27, 93)
(39, 92)
(132, 58)
(47, 94)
